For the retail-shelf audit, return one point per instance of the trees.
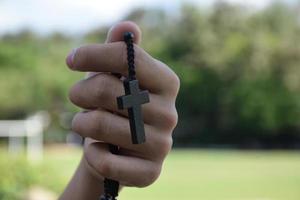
(239, 71)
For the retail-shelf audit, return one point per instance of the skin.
(102, 123)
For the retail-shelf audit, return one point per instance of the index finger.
(112, 57)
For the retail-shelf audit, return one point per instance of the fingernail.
(70, 58)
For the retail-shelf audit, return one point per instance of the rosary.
(132, 101)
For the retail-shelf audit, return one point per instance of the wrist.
(90, 172)
(83, 185)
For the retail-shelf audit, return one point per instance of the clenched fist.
(102, 123)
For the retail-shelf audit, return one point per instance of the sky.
(79, 16)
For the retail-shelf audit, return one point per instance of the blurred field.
(188, 174)
(226, 175)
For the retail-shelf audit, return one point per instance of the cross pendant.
(132, 101)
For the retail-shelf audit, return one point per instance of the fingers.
(130, 171)
(110, 128)
(137, 165)
(102, 90)
(116, 32)
(104, 126)
(112, 57)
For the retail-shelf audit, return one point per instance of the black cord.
(111, 187)
(128, 38)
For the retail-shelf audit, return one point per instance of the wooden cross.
(132, 100)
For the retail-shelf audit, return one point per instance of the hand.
(103, 123)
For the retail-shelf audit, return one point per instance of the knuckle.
(170, 119)
(165, 146)
(101, 165)
(171, 78)
(101, 127)
(174, 83)
(151, 176)
(91, 169)
(101, 91)
(104, 166)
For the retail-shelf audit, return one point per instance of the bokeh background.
(238, 136)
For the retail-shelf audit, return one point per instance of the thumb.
(116, 32)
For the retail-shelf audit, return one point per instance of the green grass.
(225, 175)
(197, 174)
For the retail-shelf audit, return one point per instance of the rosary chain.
(128, 37)
(111, 187)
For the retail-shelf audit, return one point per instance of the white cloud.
(252, 3)
(58, 14)
(76, 16)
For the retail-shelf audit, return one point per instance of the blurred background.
(238, 136)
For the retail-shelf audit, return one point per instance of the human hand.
(103, 123)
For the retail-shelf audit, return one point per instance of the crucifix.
(132, 101)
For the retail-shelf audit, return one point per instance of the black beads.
(107, 197)
(128, 38)
(111, 189)
(132, 101)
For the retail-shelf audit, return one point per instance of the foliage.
(16, 177)
(239, 71)
(18, 174)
